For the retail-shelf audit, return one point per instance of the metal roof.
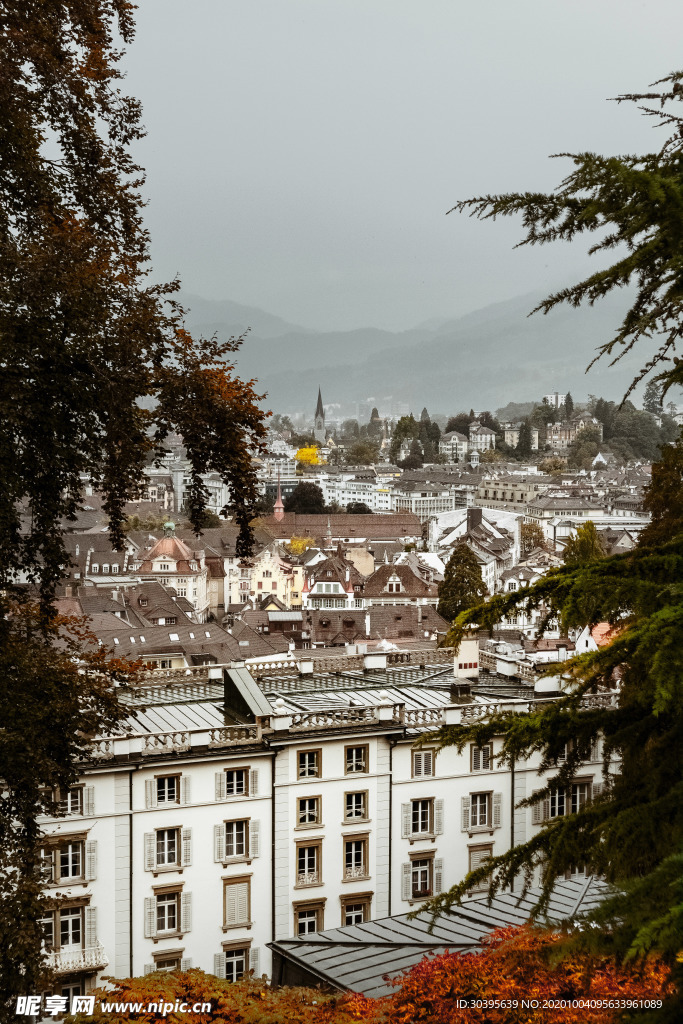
(362, 957)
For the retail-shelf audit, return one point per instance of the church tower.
(319, 428)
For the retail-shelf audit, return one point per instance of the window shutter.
(537, 810)
(486, 758)
(89, 801)
(497, 809)
(427, 763)
(218, 843)
(184, 789)
(220, 795)
(219, 965)
(187, 847)
(406, 823)
(438, 875)
(150, 851)
(254, 961)
(149, 968)
(546, 809)
(465, 808)
(150, 917)
(597, 788)
(186, 911)
(406, 880)
(254, 838)
(253, 782)
(476, 759)
(438, 817)
(150, 792)
(477, 857)
(236, 903)
(91, 860)
(595, 749)
(90, 926)
(186, 964)
(563, 756)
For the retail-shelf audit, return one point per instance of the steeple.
(278, 508)
(319, 426)
(319, 411)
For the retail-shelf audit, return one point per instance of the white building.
(244, 808)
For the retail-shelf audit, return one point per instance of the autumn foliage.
(514, 965)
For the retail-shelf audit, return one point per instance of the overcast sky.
(302, 154)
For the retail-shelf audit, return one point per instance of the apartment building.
(241, 807)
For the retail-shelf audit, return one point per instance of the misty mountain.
(483, 359)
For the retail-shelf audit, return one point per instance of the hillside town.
(282, 693)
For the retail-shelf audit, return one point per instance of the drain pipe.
(512, 813)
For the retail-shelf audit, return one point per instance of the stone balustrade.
(88, 958)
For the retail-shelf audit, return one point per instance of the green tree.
(632, 834)
(306, 499)
(358, 508)
(652, 398)
(583, 450)
(462, 585)
(568, 406)
(532, 536)
(523, 448)
(460, 423)
(349, 428)
(584, 546)
(415, 457)
(362, 453)
(407, 427)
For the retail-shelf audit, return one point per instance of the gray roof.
(285, 616)
(361, 957)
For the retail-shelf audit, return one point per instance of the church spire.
(279, 508)
(319, 411)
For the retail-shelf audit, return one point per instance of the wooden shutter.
(486, 757)
(184, 789)
(476, 759)
(537, 810)
(406, 820)
(150, 917)
(255, 960)
(465, 814)
(219, 965)
(597, 788)
(595, 749)
(90, 926)
(89, 801)
(497, 809)
(149, 968)
(237, 903)
(186, 834)
(438, 875)
(150, 851)
(477, 857)
(219, 843)
(406, 881)
(438, 817)
(150, 792)
(220, 795)
(254, 838)
(91, 860)
(186, 964)
(253, 782)
(186, 911)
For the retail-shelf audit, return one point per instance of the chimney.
(461, 693)
(474, 517)
(68, 591)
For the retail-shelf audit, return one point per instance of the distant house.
(512, 436)
(481, 438)
(453, 446)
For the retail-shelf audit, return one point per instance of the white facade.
(194, 843)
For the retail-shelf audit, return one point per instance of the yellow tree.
(309, 456)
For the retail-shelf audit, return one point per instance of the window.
(356, 857)
(168, 912)
(422, 816)
(308, 917)
(70, 928)
(167, 964)
(356, 806)
(236, 901)
(236, 961)
(167, 847)
(70, 861)
(309, 763)
(512, 585)
(236, 838)
(170, 621)
(423, 764)
(421, 877)
(481, 811)
(308, 812)
(114, 568)
(480, 758)
(71, 801)
(168, 789)
(355, 909)
(236, 782)
(308, 863)
(580, 795)
(356, 759)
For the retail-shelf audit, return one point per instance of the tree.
(524, 440)
(460, 423)
(568, 406)
(97, 367)
(462, 585)
(306, 499)
(407, 427)
(632, 834)
(297, 545)
(584, 546)
(358, 508)
(532, 536)
(583, 450)
(362, 453)
(414, 459)
(424, 416)
(309, 456)
(349, 428)
(664, 497)
(491, 455)
(96, 370)
(652, 398)
(553, 464)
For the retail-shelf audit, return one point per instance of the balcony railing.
(308, 878)
(90, 958)
(359, 871)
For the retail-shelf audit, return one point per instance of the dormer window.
(328, 574)
(94, 567)
(164, 566)
(194, 566)
(143, 602)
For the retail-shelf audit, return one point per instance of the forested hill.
(485, 358)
